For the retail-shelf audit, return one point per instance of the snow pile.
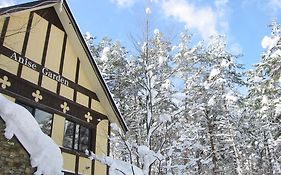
(278, 109)
(264, 100)
(117, 167)
(162, 60)
(214, 73)
(167, 84)
(115, 127)
(269, 42)
(212, 101)
(225, 63)
(156, 32)
(88, 36)
(144, 47)
(165, 118)
(148, 157)
(276, 54)
(44, 153)
(230, 97)
(148, 11)
(256, 79)
(104, 54)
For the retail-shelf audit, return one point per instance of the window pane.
(76, 136)
(68, 134)
(84, 138)
(44, 120)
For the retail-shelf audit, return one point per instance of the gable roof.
(71, 28)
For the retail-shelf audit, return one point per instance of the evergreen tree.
(211, 106)
(264, 106)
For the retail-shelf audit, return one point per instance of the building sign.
(43, 70)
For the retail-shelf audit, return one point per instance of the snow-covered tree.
(184, 109)
(146, 81)
(264, 107)
(211, 107)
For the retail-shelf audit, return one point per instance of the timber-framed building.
(46, 66)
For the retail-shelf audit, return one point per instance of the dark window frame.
(24, 104)
(73, 135)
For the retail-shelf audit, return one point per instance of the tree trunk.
(211, 139)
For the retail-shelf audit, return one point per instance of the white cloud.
(201, 18)
(123, 3)
(221, 3)
(5, 3)
(222, 11)
(275, 5)
(207, 20)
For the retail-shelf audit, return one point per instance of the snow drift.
(44, 153)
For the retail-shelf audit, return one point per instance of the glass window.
(76, 136)
(84, 138)
(43, 118)
(68, 134)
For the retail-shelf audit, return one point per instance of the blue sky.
(244, 22)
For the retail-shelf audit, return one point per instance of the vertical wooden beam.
(4, 30)
(76, 78)
(77, 164)
(25, 41)
(93, 145)
(62, 60)
(45, 50)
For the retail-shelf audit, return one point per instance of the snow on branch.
(117, 167)
(146, 156)
(44, 153)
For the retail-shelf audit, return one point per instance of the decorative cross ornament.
(88, 117)
(64, 107)
(37, 96)
(5, 83)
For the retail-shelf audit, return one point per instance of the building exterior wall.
(39, 67)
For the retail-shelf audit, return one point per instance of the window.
(76, 136)
(43, 118)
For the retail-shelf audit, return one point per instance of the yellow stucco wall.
(1, 23)
(66, 92)
(85, 166)
(53, 56)
(95, 105)
(101, 145)
(34, 50)
(49, 84)
(16, 32)
(58, 129)
(69, 162)
(70, 62)
(30, 75)
(8, 65)
(83, 79)
(13, 39)
(82, 99)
